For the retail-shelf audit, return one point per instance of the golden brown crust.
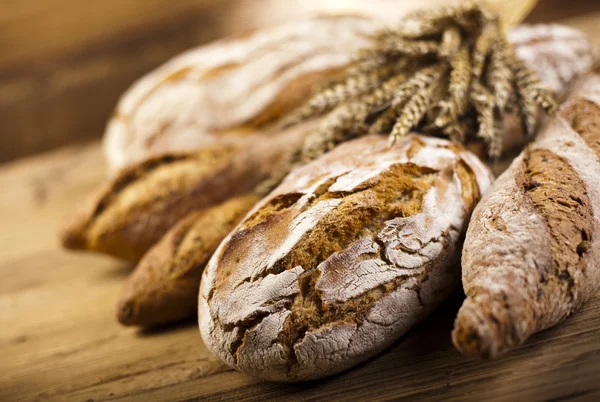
(133, 211)
(568, 214)
(164, 286)
(116, 220)
(584, 117)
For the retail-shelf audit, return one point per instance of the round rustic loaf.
(340, 260)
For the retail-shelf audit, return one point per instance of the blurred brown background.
(64, 63)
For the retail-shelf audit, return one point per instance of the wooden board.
(59, 340)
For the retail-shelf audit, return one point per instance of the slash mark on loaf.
(559, 195)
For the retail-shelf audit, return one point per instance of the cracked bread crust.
(531, 252)
(339, 261)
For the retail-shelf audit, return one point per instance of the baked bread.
(227, 89)
(223, 91)
(138, 206)
(164, 286)
(340, 260)
(532, 251)
(143, 202)
(556, 53)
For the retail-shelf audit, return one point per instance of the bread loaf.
(532, 251)
(556, 53)
(340, 260)
(140, 205)
(222, 91)
(164, 286)
(137, 207)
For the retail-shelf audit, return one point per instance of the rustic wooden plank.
(60, 341)
(39, 193)
(65, 343)
(424, 366)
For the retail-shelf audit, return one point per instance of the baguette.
(138, 206)
(531, 255)
(340, 260)
(165, 286)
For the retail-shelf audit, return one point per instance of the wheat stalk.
(448, 72)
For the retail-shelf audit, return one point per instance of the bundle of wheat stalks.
(448, 72)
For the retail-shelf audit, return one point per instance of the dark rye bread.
(137, 207)
(345, 256)
(164, 286)
(531, 253)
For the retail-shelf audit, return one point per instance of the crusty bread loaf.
(164, 286)
(222, 91)
(532, 252)
(340, 260)
(137, 207)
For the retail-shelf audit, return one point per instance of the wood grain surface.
(59, 340)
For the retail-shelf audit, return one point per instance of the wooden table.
(59, 339)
